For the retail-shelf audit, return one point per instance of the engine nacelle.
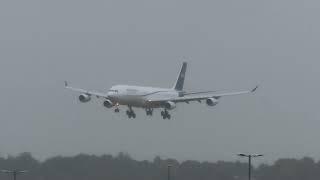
(169, 105)
(84, 98)
(108, 104)
(212, 101)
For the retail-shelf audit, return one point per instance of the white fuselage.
(136, 96)
(152, 97)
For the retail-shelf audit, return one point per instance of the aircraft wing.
(188, 98)
(94, 93)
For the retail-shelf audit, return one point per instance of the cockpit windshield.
(113, 91)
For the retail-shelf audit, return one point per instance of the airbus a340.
(150, 98)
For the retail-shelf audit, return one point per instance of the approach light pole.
(249, 156)
(14, 172)
(169, 171)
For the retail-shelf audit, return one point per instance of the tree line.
(123, 167)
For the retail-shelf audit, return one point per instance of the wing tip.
(254, 89)
(66, 84)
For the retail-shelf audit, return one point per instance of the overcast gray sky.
(229, 44)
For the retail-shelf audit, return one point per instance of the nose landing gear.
(116, 110)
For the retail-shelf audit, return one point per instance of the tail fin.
(178, 86)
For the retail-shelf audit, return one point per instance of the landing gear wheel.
(164, 117)
(149, 111)
(165, 114)
(116, 110)
(130, 114)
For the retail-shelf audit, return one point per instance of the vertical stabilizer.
(178, 86)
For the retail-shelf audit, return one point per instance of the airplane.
(150, 98)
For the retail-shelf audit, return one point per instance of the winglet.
(65, 84)
(254, 89)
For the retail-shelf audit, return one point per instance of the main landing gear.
(165, 114)
(131, 113)
(149, 111)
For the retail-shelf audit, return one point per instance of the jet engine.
(108, 104)
(212, 101)
(169, 105)
(84, 98)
